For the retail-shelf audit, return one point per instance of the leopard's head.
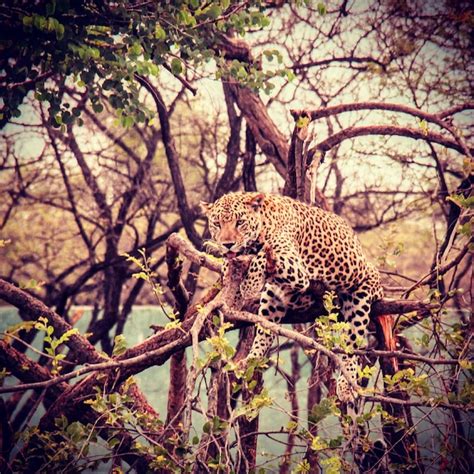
(235, 221)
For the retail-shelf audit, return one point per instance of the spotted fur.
(307, 244)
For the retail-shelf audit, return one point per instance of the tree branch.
(346, 59)
(186, 213)
(353, 132)
(83, 350)
(341, 108)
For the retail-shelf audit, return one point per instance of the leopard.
(308, 245)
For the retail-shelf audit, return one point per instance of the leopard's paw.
(345, 393)
(240, 367)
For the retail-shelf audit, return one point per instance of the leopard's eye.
(217, 224)
(239, 222)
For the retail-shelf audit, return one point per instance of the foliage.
(329, 328)
(100, 46)
(146, 273)
(221, 347)
(53, 343)
(407, 381)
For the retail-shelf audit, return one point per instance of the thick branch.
(338, 109)
(353, 132)
(270, 140)
(83, 350)
(188, 251)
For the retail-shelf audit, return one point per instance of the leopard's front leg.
(288, 282)
(273, 304)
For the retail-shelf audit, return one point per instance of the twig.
(426, 279)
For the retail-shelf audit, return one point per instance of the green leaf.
(28, 20)
(112, 442)
(154, 69)
(60, 32)
(321, 8)
(160, 33)
(120, 345)
(265, 21)
(135, 50)
(332, 465)
(303, 122)
(241, 73)
(176, 66)
(336, 442)
(466, 229)
(461, 201)
(186, 18)
(97, 107)
(40, 22)
(66, 336)
(318, 444)
(76, 431)
(322, 410)
(214, 11)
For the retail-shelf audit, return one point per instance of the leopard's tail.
(387, 323)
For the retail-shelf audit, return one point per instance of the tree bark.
(270, 140)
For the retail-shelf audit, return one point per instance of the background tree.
(119, 117)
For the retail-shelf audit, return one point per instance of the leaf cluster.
(98, 47)
(53, 343)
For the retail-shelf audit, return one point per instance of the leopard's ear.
(205, 207)
(256, 201)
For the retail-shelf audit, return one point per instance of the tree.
(128, 135)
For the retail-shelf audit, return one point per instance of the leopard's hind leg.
(355, 308)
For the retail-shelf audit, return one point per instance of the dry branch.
(338, 109)
(391, 130)
(28, 371)
(83, 350)
(186, 213)
(439, 119)
(270, 140)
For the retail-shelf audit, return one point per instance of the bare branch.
(353, 132)
(186, 213)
